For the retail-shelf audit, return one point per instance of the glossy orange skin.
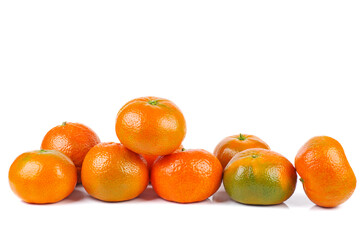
(72, 139)
(326, 174)
(150, 159)
(42, 176)
(187, 176)
(113, 173)
(232, 145)
(150, 126)
(259, 177)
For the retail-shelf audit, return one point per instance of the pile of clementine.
(151, 131)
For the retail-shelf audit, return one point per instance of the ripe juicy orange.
(42, 176)
(111, 172)
(187, 176)
(72, 139)
(259, 177)
(327, 177)
(231, 145)
(150, 126)
(150, 159)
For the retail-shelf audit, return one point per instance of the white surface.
(281, 70)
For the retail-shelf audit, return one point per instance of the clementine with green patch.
(259, 177)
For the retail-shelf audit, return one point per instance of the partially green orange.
(259, 177)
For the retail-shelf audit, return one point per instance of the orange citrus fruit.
(150, 159)
(231, 145)
(44, 176)
(113, 173)
(150, 126)
(186, 176)
(72, 139)
(259, 177)
(325, 172)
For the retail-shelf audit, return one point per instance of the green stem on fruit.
(153, 102)
(64, 123)
(301, 180)
(183, 149)
(242, 137)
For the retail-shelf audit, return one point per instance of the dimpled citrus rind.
(268, 179)
(327, 177)
(42, 176)
(113, 173)
(150, 126)
(186, 177)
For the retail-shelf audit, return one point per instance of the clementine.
(113, 173)
(42, 176)
(186, 176)
(259, 177)
(231, 145)
(72, 139)
(150, 126)
(325, 172)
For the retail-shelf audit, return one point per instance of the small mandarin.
(259, 177)
(186, 176)
(150, 126)
(113, 173)
(44, 176)
(234, 144)
(72, 139)
(325, 172)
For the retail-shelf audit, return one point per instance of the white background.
(282, 70)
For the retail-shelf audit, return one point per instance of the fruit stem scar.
(301, 180)
(254, 156)
(153, 102)
(242, 137)
(183, 149)
(42, 151)
(63, 124)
